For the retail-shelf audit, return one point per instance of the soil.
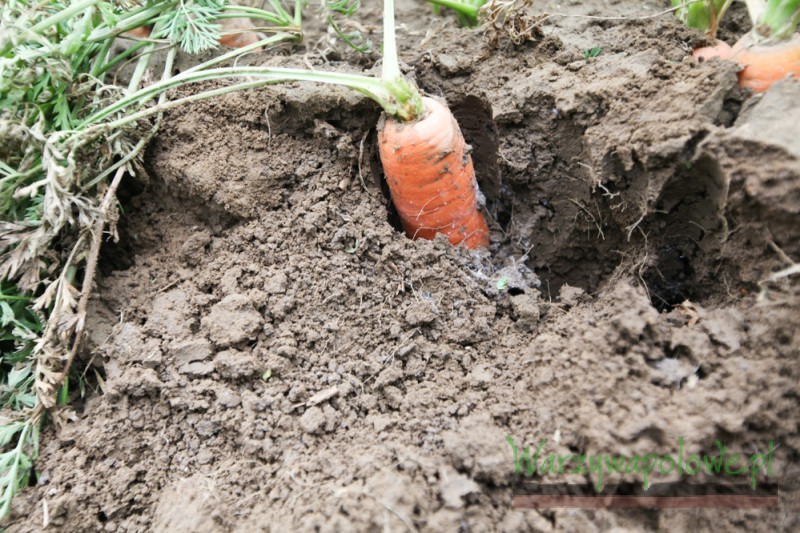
(276, 355)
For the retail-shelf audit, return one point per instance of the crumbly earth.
(277, 356)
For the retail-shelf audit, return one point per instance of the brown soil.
(278, 356)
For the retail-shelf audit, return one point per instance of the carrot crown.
(773, 20)
(407, 98)
(701, 14)
(777, 19)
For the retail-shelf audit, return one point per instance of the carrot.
(764, 64)
(142, 32)
(233, 35)
(721, 50)
(767, 54)
(431, 177)
(772, 50)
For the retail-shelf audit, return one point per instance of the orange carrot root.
(431, 177)
(764, 64)
(721, 50)
(142, 32)
(241, 38)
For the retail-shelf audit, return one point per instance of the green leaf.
(7, 433)
(591, 53)
(17, 375)
(192, 25)
(7, 315)
(502, 284)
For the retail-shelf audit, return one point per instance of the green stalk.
(254, 13)
(298, 13)
(392, 92)
(779, 19)
(64, 14)
(385, 94)
(469, 10)
(121, 57)
(136, 19)
(755, 8)
(701, 14)
(276, 5)
(168, 64)
(101, 58)
(391, 65)
(219, 59)
(404, 93)
(141, 67)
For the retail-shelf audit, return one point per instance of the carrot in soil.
(431, 177)
(236, 33)
(767, 54)
(705, 15)
(721, 50)
(764, 64)
(425, 159)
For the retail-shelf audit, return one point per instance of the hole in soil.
(686, 225)
(474, 116)
(671, 280)
(101, 516)
(119, 255)
(544, 202)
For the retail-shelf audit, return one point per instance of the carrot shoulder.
(431, 177)
(764, 64)
(721, 49)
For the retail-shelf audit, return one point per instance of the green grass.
(591, 53)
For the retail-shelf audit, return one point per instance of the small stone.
(480, 377)
(233, 364)
(313, 420)
(453, 489)
(229, 399)
(138, 381)
(419, 314)
(382, 423)
(724, 327)
(276, 284)
(451, 65)
(191, 351)
(526, 307)
(197, 369)
(571, 296)
(205, 456)
(129, 346)
(232, 321)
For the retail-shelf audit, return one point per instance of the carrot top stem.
(701, 14)
(391, 65)
(777, 20)
(407, 96)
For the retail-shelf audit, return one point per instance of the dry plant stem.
(785, 273)
(91, 267)
(52, 380)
